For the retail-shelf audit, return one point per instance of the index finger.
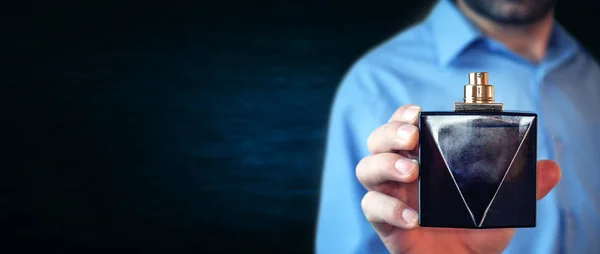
(407, 113)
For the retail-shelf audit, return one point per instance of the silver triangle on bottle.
(524, 125)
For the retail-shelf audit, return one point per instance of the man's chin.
(512, 13)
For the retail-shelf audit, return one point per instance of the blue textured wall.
(176, 128)
(179, 127)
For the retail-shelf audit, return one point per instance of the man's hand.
(389, 175)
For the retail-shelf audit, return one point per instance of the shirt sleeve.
(356, 112)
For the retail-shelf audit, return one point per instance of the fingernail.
(405, 166)
(410, 216)
(405, 131)
(411, 113)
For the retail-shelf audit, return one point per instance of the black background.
(176, 127)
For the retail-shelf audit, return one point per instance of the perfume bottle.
(477, 163)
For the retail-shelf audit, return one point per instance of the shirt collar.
(453, 33)
(561, 45)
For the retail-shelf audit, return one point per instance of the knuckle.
(394, 210)
(381, 135)
(377, 169)
(365, 204)
(384, 166)
(410, 141)
(390, 130)
(371, 141)
(360, 169)
(411, 128)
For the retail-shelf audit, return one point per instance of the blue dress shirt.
(428, 65)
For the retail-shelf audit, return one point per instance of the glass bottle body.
(477, 169)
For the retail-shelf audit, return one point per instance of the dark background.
(176, 127)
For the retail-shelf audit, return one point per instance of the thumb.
(548, 176)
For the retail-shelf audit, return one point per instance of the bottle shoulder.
(478, 113)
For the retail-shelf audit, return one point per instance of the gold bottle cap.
(478, 95)
(479, 90)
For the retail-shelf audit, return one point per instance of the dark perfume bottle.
(477, 163)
